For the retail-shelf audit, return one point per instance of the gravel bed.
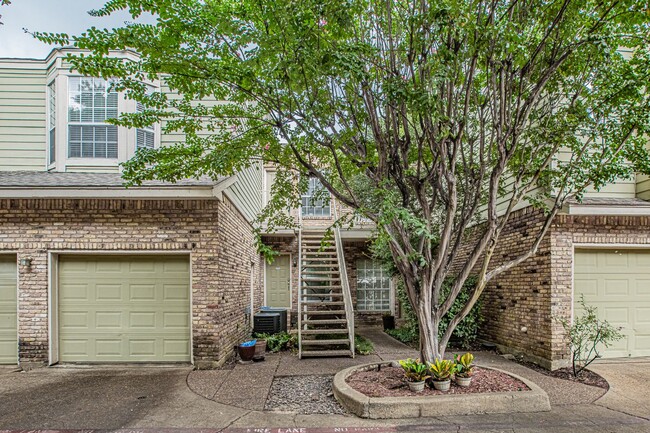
(303, 395)
(390, 382)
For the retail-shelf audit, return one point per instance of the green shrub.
(279, 341)
(585, 334)
(363, 346)
(466, 331)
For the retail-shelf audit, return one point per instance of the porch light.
(26, 261)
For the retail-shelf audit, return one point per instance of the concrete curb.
(535, 400)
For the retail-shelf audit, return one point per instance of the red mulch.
(390, 382)
(586, 377)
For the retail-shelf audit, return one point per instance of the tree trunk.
(428, 334)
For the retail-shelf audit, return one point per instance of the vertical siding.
(246, 192)
(23, 134)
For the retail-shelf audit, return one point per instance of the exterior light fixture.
(26, 261)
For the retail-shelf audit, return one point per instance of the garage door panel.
(142, 292)
(622, 297)
(131, 327)
(615, 288)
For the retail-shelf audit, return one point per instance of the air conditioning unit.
(267, 323)
(283, 315)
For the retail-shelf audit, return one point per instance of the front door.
(278, 286)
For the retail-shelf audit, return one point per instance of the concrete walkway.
(233, 400)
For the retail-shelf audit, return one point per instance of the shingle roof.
(42, 179)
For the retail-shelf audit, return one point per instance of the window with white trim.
(91, 101)
(316, 201)
(145, 137)
(373, 286)
(51, 122)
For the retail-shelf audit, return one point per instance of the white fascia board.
(219, 188)
(609, 210)
(132, 193)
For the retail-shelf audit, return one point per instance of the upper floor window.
(51, 122)
(91, 101)
(316, 201)
(146, 136)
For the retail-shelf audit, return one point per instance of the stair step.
(322, 331)
(336, 341)
(309, 272)
(324, 322)
(320, 265)
(322, 303)
(323, 295)
(317, 254)
(316, 353)
(319, 279)
(325, 312)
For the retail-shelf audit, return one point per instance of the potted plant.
(441, 372)
(464, 369)
(416, 373)
(246, 350)
(388, 321)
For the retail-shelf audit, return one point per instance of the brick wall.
(522, 305)
(218, 237)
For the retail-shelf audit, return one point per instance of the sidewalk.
(253, 386)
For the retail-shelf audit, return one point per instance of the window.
(316, 201)
(373, 286)
(90, 103)
(51, 122)
(145, 137)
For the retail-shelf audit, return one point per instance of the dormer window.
(91, 101)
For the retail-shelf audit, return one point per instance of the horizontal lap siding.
(23, 134)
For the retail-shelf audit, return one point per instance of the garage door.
(617, 282)
(124, 308)
(8, 308)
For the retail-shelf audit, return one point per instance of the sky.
(67, 16)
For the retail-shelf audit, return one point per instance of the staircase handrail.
(345, 284)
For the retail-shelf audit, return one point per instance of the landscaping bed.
(586, 377)
(528, 397)
(304, 395)
(389, 382)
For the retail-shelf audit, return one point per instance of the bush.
(466, 331)
(585, 334)
(363, 346)
(280, 341)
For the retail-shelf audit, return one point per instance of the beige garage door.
(617, 282)
(8, 308)
(124, 308)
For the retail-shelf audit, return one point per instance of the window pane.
(316, 201)
(92, 141)
(373, 286)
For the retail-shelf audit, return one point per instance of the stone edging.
(361, 405)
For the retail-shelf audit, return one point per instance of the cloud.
(58, 16)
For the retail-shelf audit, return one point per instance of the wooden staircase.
(325, 319)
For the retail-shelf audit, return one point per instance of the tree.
(422, 116)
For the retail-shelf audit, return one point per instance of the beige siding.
(643, 186)
(246, 192)
(22, 119)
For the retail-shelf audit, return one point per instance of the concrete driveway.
(629, 385)
(106, 398)
(152, 398)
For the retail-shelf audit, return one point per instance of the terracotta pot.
(260, 349)
(246, 353)
(442, 385)
(416, 386)
(463, 381)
